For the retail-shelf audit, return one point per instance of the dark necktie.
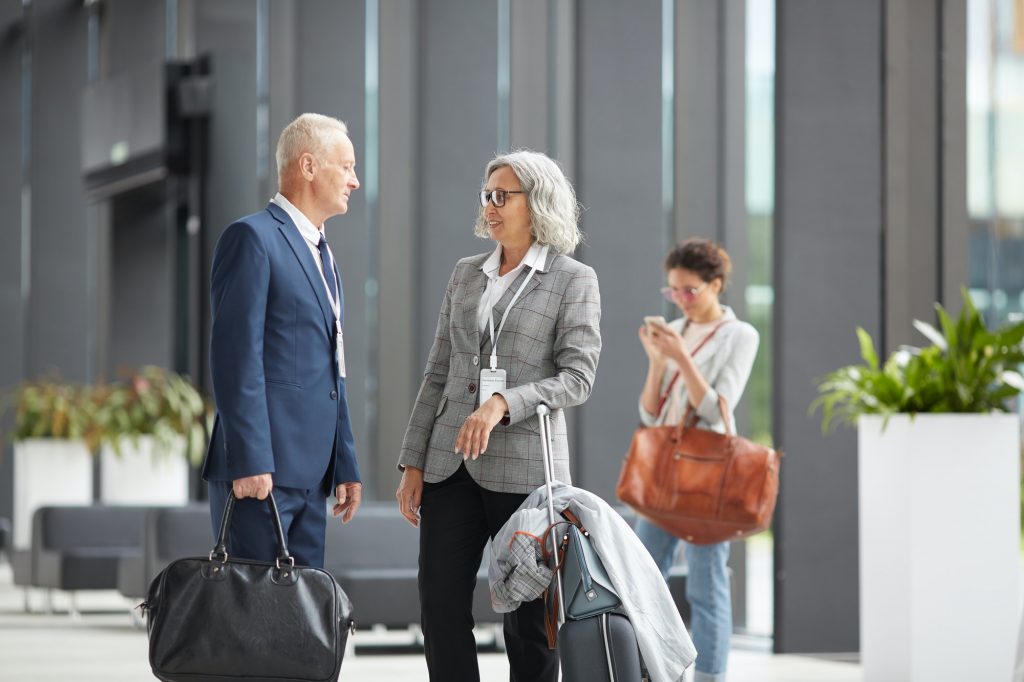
(325, 259)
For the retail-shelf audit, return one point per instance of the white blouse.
(535, 258)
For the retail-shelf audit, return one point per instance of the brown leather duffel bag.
(700, 485)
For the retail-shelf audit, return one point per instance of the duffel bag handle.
(221, 549)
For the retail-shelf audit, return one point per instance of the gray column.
(62, 287)
(926, 226)
(226, 30)
(709, 185)
(399, 368)
(13, 266)
(457, 134)
(828, 199)
(283, 52)
(330, 79)
(530, 78)
(951, 55)
(618, 178)
(871, 229)
(135, 237)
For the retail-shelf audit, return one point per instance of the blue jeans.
(707, 591)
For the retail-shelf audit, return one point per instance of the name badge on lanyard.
(339, 342)
(493, 380)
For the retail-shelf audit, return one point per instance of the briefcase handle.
(221, 549)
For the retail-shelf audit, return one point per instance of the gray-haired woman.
(518, 326)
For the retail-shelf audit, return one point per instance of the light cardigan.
(725, 362)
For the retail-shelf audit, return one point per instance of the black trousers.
(457, 518)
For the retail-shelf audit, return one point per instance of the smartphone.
(655, 321)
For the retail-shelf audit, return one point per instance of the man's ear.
(307, 165)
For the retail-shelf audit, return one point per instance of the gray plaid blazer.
(549, 350)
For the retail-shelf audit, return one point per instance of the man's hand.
(410, 494)
(476, 430)
(349, 496)
(258, 486)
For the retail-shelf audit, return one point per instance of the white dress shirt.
(497, 285)
(311, 234)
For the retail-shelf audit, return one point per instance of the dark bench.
(78, 548)
(375, 559)
(169, 533)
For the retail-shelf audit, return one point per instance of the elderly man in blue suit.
(277, 355)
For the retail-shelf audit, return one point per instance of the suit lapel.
(305, 258)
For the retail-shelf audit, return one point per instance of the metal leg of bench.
(48, 608)
(73, 606)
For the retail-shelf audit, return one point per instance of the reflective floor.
(104, 644)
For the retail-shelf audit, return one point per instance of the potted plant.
(153, 429)
(939, 499)
(55, 434)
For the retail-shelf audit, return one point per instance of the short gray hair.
(313, 133)
(554, 212)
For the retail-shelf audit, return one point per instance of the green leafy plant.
(967, 368)
(50, 408)
(153, 402)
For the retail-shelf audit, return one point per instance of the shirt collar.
(536, 257)
(307, 229)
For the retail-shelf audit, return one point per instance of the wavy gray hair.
(554, 212)
(313, 133)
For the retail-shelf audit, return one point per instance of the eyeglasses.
(497, 196)
(685, 293)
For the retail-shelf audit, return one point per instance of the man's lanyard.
(335, 305)
(501, 325)
(339, 343)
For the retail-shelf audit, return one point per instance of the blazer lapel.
(475, 285)
(305, 258)
(506, 298)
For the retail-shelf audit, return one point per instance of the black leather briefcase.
(216, 618)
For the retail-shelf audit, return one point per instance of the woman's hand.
(476, 430)
(654, 355)
(410, 494)
(667, 342)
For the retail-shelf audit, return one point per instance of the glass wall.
(995, 151)
(760, 181)
(760, 203)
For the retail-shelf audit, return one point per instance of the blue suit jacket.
(281, 406)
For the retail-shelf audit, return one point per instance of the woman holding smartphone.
(705, 354)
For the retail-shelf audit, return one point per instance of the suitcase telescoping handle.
(544, 416)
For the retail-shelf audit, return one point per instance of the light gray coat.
(549, 349)
(666, 646)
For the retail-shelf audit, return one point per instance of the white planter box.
(143, 474)
(939, 547)
(48, 471)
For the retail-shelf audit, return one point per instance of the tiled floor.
(106, 646)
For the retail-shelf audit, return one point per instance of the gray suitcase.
(599, 648)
